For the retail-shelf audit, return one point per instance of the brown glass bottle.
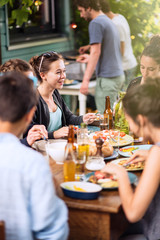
(71, 137)
(108, 114)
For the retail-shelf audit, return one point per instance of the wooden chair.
(2, 230)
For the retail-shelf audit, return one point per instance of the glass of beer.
(103, 123)
(80, 164)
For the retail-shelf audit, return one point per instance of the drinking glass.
(80, 163)
(103, 123)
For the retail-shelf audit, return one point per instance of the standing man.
(104, 55)
(129, 62)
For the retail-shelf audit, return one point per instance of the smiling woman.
(51, 110)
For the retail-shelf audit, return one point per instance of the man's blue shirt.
(28, 203)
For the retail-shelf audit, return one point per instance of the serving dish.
(81, 190)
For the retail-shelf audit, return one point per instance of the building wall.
(27, 50)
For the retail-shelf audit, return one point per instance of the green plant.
(25, 8)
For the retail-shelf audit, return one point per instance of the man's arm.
(84, 49)
(95, 51)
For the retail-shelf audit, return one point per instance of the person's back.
(128, 59)
(28, 203)
(151, 218)
(102, 30)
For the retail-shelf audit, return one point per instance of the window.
(42, 24)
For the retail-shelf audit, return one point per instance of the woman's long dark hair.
(144, 100)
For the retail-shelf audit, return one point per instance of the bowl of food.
(81, 190)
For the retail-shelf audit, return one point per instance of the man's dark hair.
(17, 96)
(93, 4)
(144, 100)
(104, 5)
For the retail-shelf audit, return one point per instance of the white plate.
(137, 147)
(91, 190)
(123, 141)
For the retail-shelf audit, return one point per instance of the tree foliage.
(25, 8)
(143, 17)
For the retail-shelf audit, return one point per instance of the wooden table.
(100, 219)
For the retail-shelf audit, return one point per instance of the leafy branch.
(24, 10)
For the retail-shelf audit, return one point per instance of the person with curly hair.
(18, 65)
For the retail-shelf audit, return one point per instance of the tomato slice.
(103, 137)
(106, 131)
(122, 134)
(99, 175)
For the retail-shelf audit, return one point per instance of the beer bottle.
(71, 137)
(69, 166)
(108, 115)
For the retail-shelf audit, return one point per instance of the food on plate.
(92, 149)
(132, 166)
(100, 175)
(92, 179)
(75, 128)
(109, 184)
(129, 149)
(67, 81)
(114, 137)
(107, 149)
(69, 188)
(106, 181)
(108, 133)
(78, 189)
(75, 188)
(66, 63)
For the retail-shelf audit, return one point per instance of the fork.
(127, 164)
(113, 139)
